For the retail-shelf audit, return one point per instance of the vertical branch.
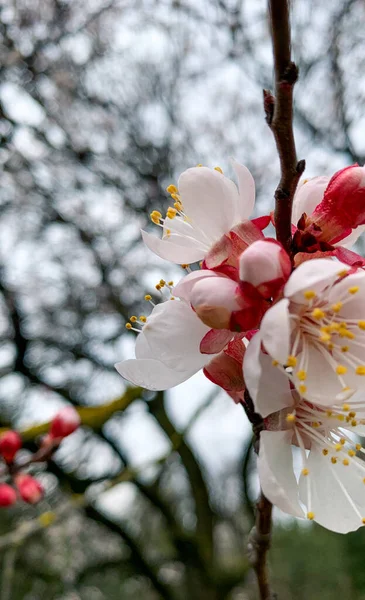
(279, 116)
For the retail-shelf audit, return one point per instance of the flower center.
(321, 327)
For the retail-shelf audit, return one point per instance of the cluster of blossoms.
(288, 330)
(16, 481)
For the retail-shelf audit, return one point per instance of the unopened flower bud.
(29, 488)
(266, 266)
(214, 299)
(10, 443)
(66, 421)
(7, 495)
(343, 206)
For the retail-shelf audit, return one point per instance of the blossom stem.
(279, 116)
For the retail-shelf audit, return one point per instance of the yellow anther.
(333, 460)
(309, 294)
(171, 212)
(324, 451)
(185, 266)
(361, 324)
(346, 462)
(305, 472)
(218, 169)
(274, 363)
(318, 314)
(170, 283)
(172, 189)
(128, 326)
(148, 297)
(142, 318)
(354, 289)
(363, 480)
(351, 453)
(346, 407)
(302, 375)
(352, 414)
(329, 413)
(155, 217)
(342, 441)
(341, 370)
(290, 418)
(340, 417)
(315, 424)
(178, 206)
(162, 282)
(157, 286)
(347, 334)
(330, 346)
(291, 361)
(310, 515)
(360, 370)
(325, 328)
(325, 337)
(354, 423)
(133, 319)
(358, 447)
(363, 520)
(342, 273)
(302, 388)
(334, 327)
(345, 348)
(338, 447)
(336, 307)
(172, 298)
(168, 232)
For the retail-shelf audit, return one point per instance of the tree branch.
(279, 116)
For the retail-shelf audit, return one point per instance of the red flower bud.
(66, 421)
(29, 488)
(10, 443)
(7, 495)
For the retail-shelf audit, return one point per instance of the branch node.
(269, 106)
(290, 75)
(300, 167)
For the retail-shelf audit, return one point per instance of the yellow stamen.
(346, 462)
(172, 189)
(291, 361)
(171, 212)
(340, 418)
(218, 169)
(128, 326)
(346, 407)
(358, 447)
(333, 460)
(341, 370)
(354, 423)
(338, 447)
(274, 363)
(133, 319)
(290, 418)
(148, 297)
(305, 472)
(361, 325)
(142, 318)
(342, 273)
(318, 314)
(336, 307)
(351, 453)
(310, 515)
(302, 388)
(342, 441)
(309, 294)
(302, 375)
(158, 287)
(363, 520)
(354, 289)
(185, 266)
(345, 348)
(360, 370)
(324, 451)
(352, 414)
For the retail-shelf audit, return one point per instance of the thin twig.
(279, 116)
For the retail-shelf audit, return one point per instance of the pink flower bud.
(266, 266)
(214, 299)
(10, 443)
(7, 495)
(29, 488)
(66, 421)
(343, 206)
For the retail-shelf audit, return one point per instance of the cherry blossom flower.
(329, 214)
(208, 219)
(316, 332)
(331, 478)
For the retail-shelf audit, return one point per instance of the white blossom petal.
(152, 374)
(275, 467)
(275, 331)
(337, 496)
(268, 386)
(313, 275)
(246, 187)
(308, 195)
(209, 200)
(175, 251)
